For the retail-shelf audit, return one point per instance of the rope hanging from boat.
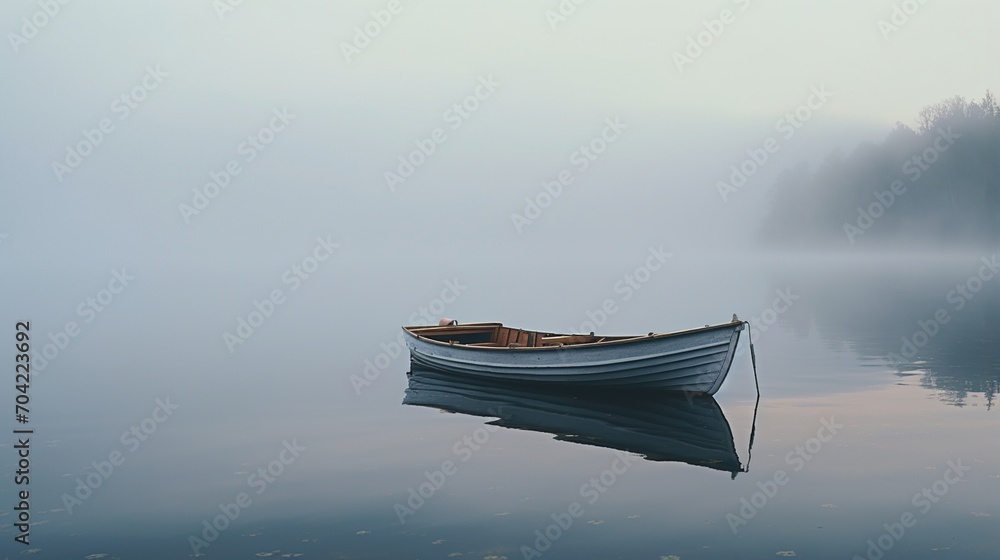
(753, 424)
(753, 358)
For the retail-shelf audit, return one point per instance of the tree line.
(938, 183)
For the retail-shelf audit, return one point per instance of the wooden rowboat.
(695, 360)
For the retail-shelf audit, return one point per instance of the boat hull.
(695, 361)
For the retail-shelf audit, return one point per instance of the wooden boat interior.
(497, 335)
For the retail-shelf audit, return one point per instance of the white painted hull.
(696, 360)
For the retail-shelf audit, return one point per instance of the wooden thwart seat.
(567, 339)
(518, 337)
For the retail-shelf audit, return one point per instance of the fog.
(341, 169)
(218, 72)
(536, 152)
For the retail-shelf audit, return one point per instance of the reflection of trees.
(870, 309)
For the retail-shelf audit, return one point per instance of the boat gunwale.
(737, 325)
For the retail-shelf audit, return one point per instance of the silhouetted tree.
(949, 196)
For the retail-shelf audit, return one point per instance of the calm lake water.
(877, 433)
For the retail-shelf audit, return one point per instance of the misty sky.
(220, 73)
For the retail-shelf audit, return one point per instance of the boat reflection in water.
(659, 425)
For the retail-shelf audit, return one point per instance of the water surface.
(846, 440)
